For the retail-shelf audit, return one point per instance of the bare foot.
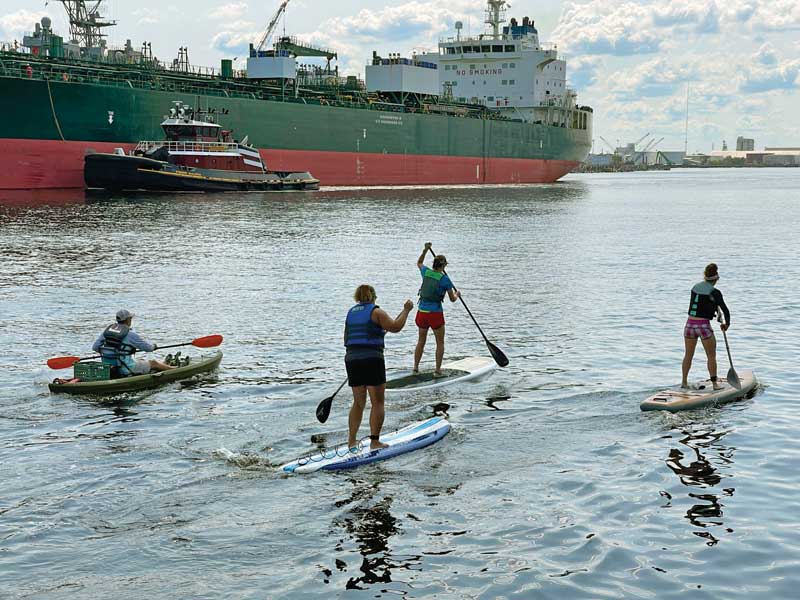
(415, 370)
(717, 386)
(375, 445)
(437, 374)
(684, 386)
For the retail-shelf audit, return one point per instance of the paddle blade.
(209, 341)
(62, 362)
(497, 354)
(324, 409)
(733, 379)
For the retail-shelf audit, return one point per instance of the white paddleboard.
(457, 371)
(700, 394)
(407, 439)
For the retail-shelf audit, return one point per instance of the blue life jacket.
(359, 328)
(114, 351)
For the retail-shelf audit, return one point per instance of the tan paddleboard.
(701, 394)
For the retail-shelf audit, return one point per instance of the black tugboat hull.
(118, 172)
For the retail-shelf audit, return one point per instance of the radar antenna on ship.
(86, 23)
(496, 15)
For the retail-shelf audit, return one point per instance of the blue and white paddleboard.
(458, 371)
(407, 439)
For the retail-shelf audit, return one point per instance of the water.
(551, 484)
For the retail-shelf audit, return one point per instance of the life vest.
(114, 350)
(360, 330)
(430, 289)
(701, 304)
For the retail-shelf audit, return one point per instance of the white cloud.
(146, 16)
(606, 27)
(14, 26)
(234, 10)
(236, 36)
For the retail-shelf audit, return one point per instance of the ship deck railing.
(147, 146)
(62, 70)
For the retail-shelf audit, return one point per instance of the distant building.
(744, 144)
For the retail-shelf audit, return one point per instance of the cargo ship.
(489, 109)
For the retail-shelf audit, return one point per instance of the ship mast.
(85, 23)
(495, 16)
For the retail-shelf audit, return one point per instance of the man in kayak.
(430, 314)
(706, 300)
(364, 328)
(117, 344)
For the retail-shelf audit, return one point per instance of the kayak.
(135, 383)
(700, 394)
(407, 439)
(457, 371)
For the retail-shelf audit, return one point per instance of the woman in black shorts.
(364, 328)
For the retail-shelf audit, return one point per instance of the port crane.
(610, 147)
(271, 26)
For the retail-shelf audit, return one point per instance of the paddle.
(733, 377)
(324, 407)
(497, 354)
(63, 362)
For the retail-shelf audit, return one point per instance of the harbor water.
(551, 484)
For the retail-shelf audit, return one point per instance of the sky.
(630, 61)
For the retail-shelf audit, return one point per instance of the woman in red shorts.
(430, 314)
(706, 300)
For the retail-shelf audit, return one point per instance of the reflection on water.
(369, 523)
(702, 469)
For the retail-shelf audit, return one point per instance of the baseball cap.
(124, 315)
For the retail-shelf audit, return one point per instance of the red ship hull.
(48, 164)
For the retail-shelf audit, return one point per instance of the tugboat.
(198, 155)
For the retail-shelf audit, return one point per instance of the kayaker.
(117, 344)
(364, 328)
(430, 314)
(706, 300)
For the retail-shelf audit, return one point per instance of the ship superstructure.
(488, 109)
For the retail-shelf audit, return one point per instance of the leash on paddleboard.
(732, 377)
(64, 362)
(499, 357)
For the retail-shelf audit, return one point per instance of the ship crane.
(639, 141)
(271, 26)
(610, 147)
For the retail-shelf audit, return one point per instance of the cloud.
(236, 37)
(582, 71)
(605, 27)
(654, 78)
(766, 55)
(14, 26)
(702, 17)
(146, 16)
(234, 10)
(781, 76)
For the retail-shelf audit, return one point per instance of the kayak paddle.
(324, 407)
(499, 357)
(64, 362)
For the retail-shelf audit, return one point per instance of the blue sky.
(630, 61)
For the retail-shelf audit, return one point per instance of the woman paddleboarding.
(364, 329)
(705, 301)
(430, 313)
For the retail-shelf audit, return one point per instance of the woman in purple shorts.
(706, 301)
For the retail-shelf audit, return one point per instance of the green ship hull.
(59, 111)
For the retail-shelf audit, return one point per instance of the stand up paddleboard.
(700, 395)
(407, 439)
(456, 371)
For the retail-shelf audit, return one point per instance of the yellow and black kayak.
(136, 383)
